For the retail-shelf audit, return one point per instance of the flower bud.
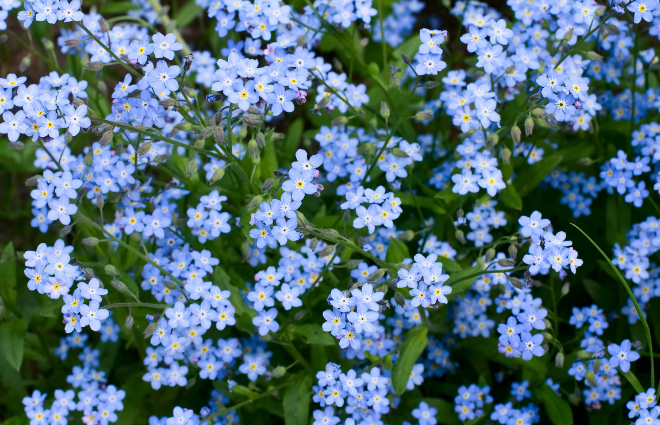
(584, 354)
(219, 135)
(460, 236)
(565, 289)
(490, 254)
(167, 103)
(72, 42)
(596, 366)
(278, 372)
(529, 126)
(119, 285)
(492, 140)
(268, 184)
(254, 202)
(128, 323)
(399, 299)
(510, 69)
(17, 145)
(34, 180)
(405, 59)
(100, 202)
(505, 262)
(516, 282)
(66, 229)
(407, 235)
(559, 360)
(330, 233)
(91, 241)
(189, 92)
(144, 148)
(515, 134)
(569, 34)
(505, 155)
(431, 84)
(585, 161)
(25, 63)
(252, 120)
(613, 29)
(300, 314)
(481, 264)
(423, 115)
(600, 10)
(535, 97)
(89, 157)
(160, 158)
(103, 24)
(111, 270)
(253, 148)
(594, 56)
(106, 138)
(191, 169)
(384, 110)
(378, 274)
(339, 121)
(94, 66)
(170, 285)
(590, 378)
(326, 251)
(151, 329)
(205, 134)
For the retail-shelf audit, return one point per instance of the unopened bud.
(330, 233)
(268, 184)
(423, 115)
(66, 230)
(569, 34)
(584, 354)
(399, 153)
(377, 275)
(94, 66)
(600, 10)
(17, 145)
(510, 69)
(111, 270)
(490, 254)
(399, 299)
(407, 235)
(535, 97)
(191, 169)
(505, 155)
(106, 138)
(529, 126)
(585, 161)
(384, 110)
(144, 148)
(170, 285)
(252, 120)
(261, 140)
(313, 244)
(72, 42)
(100, 202)
(565, 289)
(405, 59)
(34, 180)
(279, 371)
(339, 121)
(492, 140)
(189, 92)
(594, 56)
(25, 63)
(255, 202)
(89, 158)
(103, 24)
(219, 135)
(300, 314)
(119, 285)
(460, 236)
(505, 262)
(590, 378)
(559, 360)
(91, 241)
(613, 29)
(151, 329)
(160, 158)
(326, 251)
(166, 103)
(516, 282)
(481, 264)
(431, 84)
(253, 149)
(128, 323)
(515, 134)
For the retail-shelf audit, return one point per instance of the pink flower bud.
(316, 173)
(252, 219)
(577, 104)
(301, 95)
(319, 186)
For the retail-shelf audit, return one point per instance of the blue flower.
(165, 46)
(266, 321)
(622, 355)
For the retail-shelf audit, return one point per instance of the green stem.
(137, 304)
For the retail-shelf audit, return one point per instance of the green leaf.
(12, 341)
(296, 401)
(558, 410)
(117, 7)
(396, 252)
(534, 174)
(292, 139)
(462, 280)
(8, 273)
(268, 160)
(410, 350)
(510, 197)
(313, 334)
(633, 380)
(115, 260)
(187, 13)
(449, 265)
